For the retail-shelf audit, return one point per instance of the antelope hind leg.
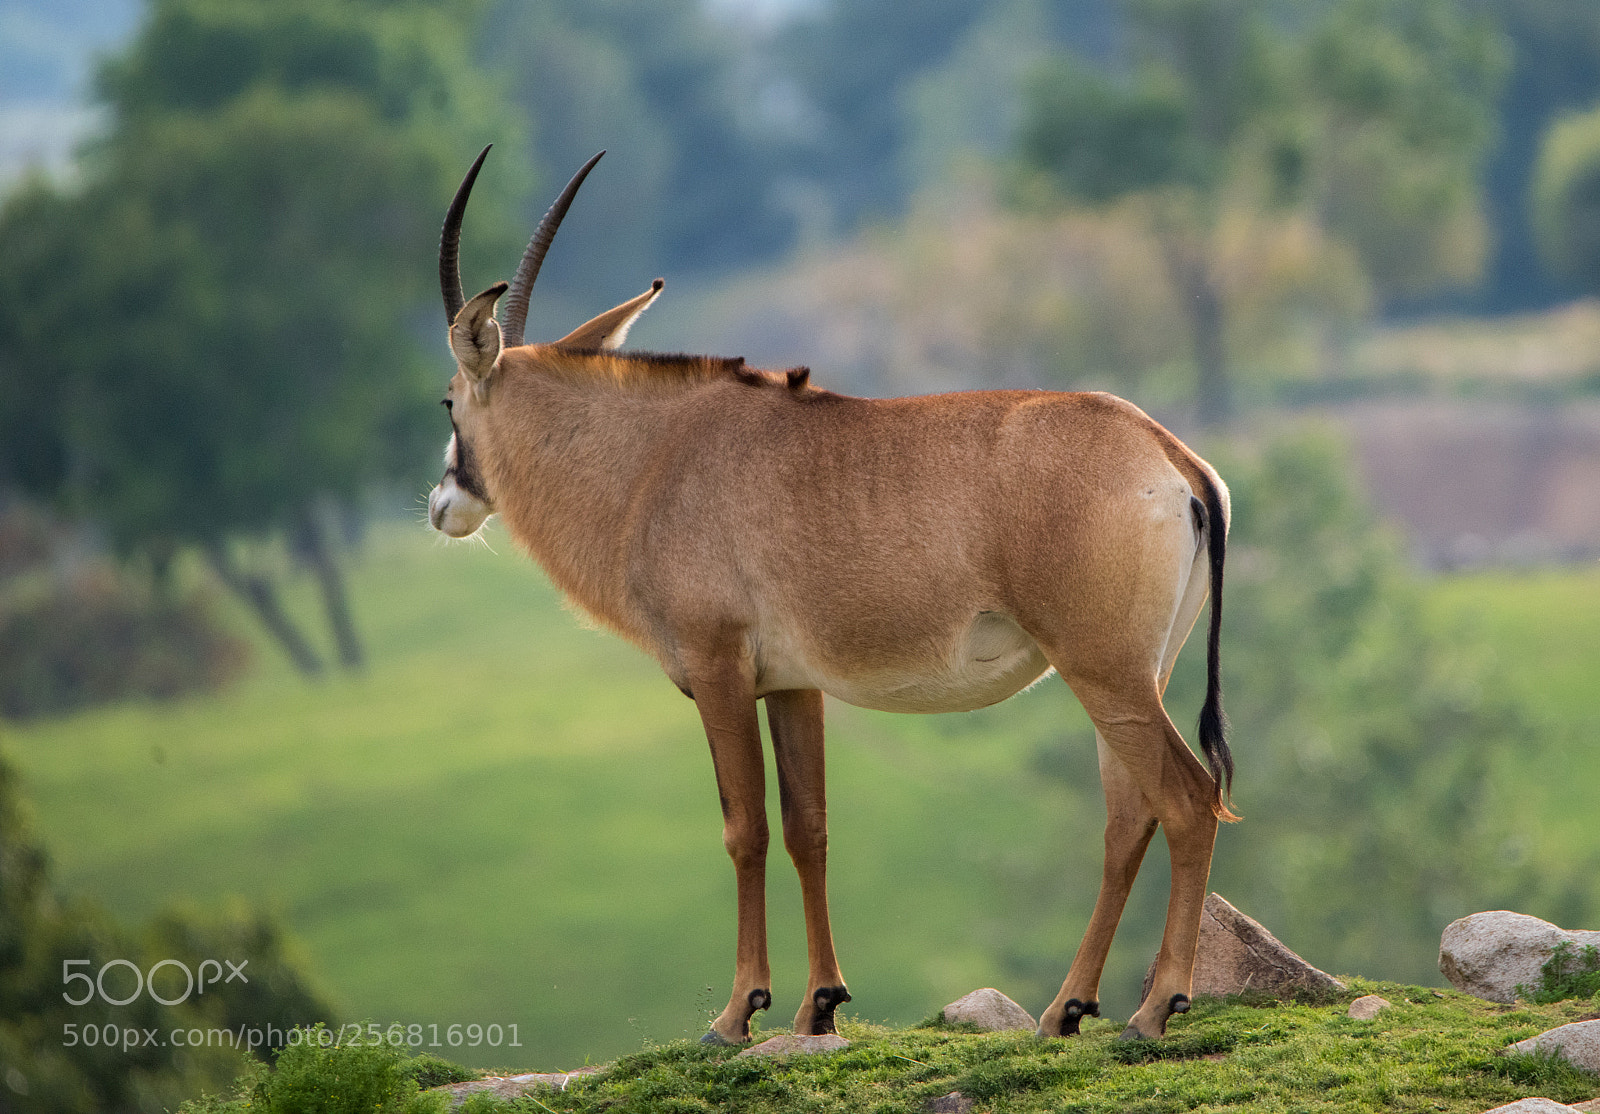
(1190, 843)
(725, 698)
(1179, 793)
(1182, 794)
(1129, 825)
(796, 721)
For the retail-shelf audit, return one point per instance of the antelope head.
(462, 500)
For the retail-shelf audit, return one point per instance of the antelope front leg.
(725, 698)
(796, 721)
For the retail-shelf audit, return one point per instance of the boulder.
(1368, 1006)
(953, 1103)
(513, 1086)
(1488, 955)
(990, 1010)
(788, 1044)
(1237, 954)
(1531, 1106)
(1578, 1043)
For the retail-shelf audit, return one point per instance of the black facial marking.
(464, 470)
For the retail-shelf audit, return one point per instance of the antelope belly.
(987, 661)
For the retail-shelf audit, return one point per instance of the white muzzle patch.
(455, 513)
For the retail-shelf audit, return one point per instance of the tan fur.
(763, 538)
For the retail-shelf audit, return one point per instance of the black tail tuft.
(1213, 721)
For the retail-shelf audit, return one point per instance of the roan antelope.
(765, 539)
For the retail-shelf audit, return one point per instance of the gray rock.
(953, 1103)
(1578, 1043)
(1237, 954)
(1531, 1106)
(787, 1044)
(991, 1010)
(513, 1086)
(1368, 1006)
(1488, 955)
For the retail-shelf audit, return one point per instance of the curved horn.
(450, 243)
(516, 307)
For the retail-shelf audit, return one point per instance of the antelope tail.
(1213, 721)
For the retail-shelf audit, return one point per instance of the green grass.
(1568, 973)
(511, 820)
(1431, 1051)
(1544, 627)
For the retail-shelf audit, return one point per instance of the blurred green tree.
(1555, 46)
(1373, 115)
(230, 300)
(1401, 98)
(851, 62)
(670, 89)
(49, 1066)
(1566, 199)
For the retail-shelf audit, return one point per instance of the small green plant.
(319, 1074)
(1565, 975)
(330, 1078)
(435, 1071)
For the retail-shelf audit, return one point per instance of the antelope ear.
(610, 329)
(475, 334)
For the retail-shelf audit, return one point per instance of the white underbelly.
(991, 659)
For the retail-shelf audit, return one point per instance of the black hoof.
(717, 1040)
(1074, 1014)
(826, 999)
(1132, 1034)
(829, 997)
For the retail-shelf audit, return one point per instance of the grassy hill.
(1431, 1051)
(512, 821)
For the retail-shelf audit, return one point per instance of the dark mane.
(654, 369)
